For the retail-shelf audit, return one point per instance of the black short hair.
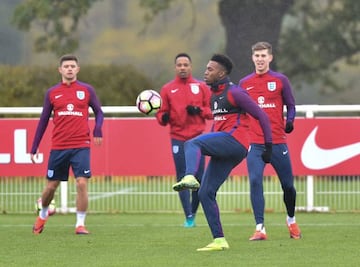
(68, 57)
(223, 60)
(182, 55)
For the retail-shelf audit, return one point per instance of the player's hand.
(266, 155)
(289, 127)
(165, 118)
(34, 157)
(193, 110)
(97, 141)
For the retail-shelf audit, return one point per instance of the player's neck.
(261, 72)
(68, 82)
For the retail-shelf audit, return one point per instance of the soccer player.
(185, 107)
(226, 144)
(271, 90)
(68, 102)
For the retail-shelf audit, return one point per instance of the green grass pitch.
(160, 240)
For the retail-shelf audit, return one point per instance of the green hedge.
(115, 85)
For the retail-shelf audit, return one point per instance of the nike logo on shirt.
(58, 96)
(317, 158)
(174, 90)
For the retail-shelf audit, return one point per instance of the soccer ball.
(148, 102)
(51, 210)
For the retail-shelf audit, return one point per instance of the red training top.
(176, 96)
(271, 91)
(70, 107)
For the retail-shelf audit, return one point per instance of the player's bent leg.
(46, 198)
(188, 182)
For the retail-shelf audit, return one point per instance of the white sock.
(43, 213)
(290, 220)
(260, 227)
(80, 218)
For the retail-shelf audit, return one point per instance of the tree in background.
(247, 22)
(11, 41)
(59, 20)
(318, 35)
(309, 36)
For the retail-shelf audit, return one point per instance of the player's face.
(69, 70)
(262, 59)
(214, 72)
(183, 67)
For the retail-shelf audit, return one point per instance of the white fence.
(236, 189)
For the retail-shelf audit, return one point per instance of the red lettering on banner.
(140, 146)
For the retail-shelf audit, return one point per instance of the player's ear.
(222, 74)
(271, 57)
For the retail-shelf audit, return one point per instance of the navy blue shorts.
(60, 162)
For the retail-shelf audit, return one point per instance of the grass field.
(160, 240)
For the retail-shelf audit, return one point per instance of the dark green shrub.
(115, 85)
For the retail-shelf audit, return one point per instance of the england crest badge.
(271, 86)
(195, 88)
(80, 95)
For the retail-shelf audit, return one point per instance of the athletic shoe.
(187, 182)
(257, 236)
(81, 230)
(38, 225)
(190, 222)
(217, 245)
(294, 231)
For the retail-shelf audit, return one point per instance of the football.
(148, 102)
(51, 210)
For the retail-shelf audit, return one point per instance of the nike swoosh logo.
(317, 158)
(249, 88)
(285, 152)
(58, 96)
(86, 171)
(174, 90)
